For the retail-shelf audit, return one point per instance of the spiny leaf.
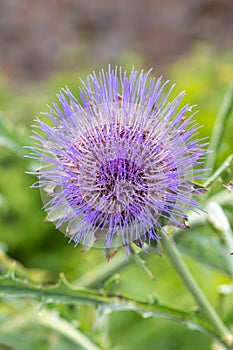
(64, 292)
(14, 268)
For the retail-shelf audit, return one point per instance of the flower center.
(103, 179)
(117, 174)
(121, 183)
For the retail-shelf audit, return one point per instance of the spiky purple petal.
(119, 164)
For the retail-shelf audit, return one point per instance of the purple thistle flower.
(118, 166)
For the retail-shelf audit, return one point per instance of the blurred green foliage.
(24, 235)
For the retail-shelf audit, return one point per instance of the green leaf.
(10, 137)
(220, 221)
(219, 128)
(204, 247)
(217, 174)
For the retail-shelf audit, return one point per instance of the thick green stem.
(198, 295)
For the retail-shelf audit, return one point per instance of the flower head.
(118, 163)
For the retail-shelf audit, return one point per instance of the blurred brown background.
(39, 37)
